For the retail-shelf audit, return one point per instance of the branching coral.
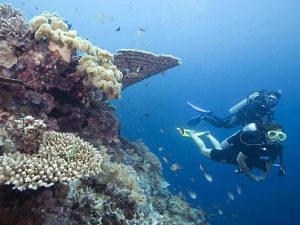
(12, 26)
(121, 178)
(61, 157)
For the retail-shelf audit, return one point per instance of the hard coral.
(61, 157)
(7, 56)
(12, 26)
(26, 133)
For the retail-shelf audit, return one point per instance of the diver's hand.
(258, 178)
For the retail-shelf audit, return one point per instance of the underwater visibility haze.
(209, 52)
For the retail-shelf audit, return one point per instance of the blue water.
(228, 49)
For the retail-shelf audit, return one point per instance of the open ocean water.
(228, 49)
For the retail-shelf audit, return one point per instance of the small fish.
(220, 211)
(202, 213)
(208, 177)
(176, 166)
(193, 180)
(160, 148)
(164, 184)
(230, 195)
(36, 8)
(162, 73)
(139, 68)
(201, 167)
(146, 114)
(118, 28)
(162, 131)
(238, 189)
(192, 194)
(140, 31)
(165, 159)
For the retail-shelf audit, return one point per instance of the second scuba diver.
(257, 145)
(257, 107)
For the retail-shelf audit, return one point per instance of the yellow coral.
(63, 51)
(101, 77)
(97, 64)
(58, 24)
(38, 21)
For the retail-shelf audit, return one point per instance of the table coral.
(138, 65)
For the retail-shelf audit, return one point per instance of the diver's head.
(275, 132)
(272, 98)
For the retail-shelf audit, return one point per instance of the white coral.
(61, 157)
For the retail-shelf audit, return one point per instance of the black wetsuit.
(253, 144)
(255, 111)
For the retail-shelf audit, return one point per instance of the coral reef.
(52, 157)
(138, 65)
(62, 159)
(97, 65)
(13, 26)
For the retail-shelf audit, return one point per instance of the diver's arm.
(241, 160)
(269, 165)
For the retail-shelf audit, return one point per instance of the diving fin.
(185, 132)
(194, 121)
(199, 109)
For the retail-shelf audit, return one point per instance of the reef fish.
(176, 166)
(230, 195)
(238, 189)
(192, 194)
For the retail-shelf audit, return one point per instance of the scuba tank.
(234, 109)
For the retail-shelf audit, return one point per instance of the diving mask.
(272, 100)
(277, 135)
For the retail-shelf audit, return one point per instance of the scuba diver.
(257, 107)
(257, 145)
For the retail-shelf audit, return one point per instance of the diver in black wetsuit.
(257, 107)
(255, 146)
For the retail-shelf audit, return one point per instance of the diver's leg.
(214, 120)
(214, 141)
(205, 151)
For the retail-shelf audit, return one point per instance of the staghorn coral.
(61, 157)
(96, 65)
(12, 26)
